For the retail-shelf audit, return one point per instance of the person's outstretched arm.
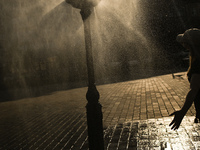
(194, 89)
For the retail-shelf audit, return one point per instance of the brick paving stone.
(135, 116)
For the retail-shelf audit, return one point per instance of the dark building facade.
(193, 13)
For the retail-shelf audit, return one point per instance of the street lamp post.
(93, 107)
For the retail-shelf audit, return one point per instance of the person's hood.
(192, 37)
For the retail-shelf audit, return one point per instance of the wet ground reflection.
(153, 134)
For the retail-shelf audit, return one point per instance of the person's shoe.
(196, 120)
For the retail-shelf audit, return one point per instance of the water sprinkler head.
(83, 4)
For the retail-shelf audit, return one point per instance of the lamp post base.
(95, 129)
(94, 119)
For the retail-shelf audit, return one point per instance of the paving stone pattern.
(135, 116)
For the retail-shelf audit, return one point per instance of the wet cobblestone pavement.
(135, 116)
(153, 134)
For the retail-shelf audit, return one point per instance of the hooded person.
(190, 40)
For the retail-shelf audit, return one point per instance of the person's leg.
(197, 107)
